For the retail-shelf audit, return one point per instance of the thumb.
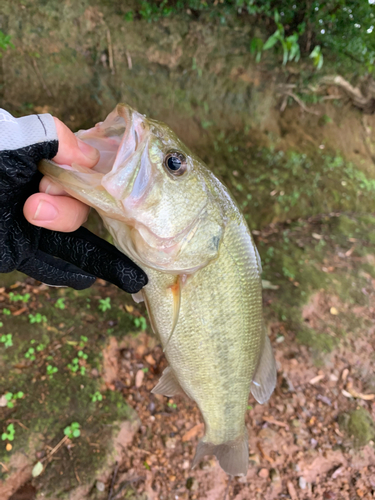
(73, 150)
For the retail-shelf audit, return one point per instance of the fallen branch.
(287, 93)
(362, 100)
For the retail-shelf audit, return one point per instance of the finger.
(45, 268)
(95, 256)
(59, 213)
(49, 187)
(71, 149)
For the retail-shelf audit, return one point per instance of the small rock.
(254, 458)
(192, 484)
(264, 473)
(329, 495)
(291, 490)
(100, 486)
(302, 483)
(150, 360)
(139, 378)
(324, 399)
(170, 443)
(274, 475)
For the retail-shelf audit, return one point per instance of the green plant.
(51, 370)
(140, 323)
(6, 312)
(83, 341)
(289, 44)
(317, 57)
(5, 43)
(172, 405)
(60, 303)
(11, 398)
(30, 354)
(37, 318)
(72, 430)
(6, 339)
(104, 304)
(9, 434)
(96, 397)
(74, 366)
(16, 297)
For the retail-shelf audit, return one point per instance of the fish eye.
(175, 163)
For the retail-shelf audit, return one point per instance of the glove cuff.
(17, 133)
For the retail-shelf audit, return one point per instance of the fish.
(169, 213)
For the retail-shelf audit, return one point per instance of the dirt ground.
(313, 439)
(90, 357)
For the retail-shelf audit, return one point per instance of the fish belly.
(215, 348)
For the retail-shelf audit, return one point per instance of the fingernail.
(45, 212)
(90, 152)
(47, 190)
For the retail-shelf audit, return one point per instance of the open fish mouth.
(121, 181)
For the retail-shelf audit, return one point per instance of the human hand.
(32, 244)
(52, 208)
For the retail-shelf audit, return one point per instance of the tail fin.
(233, 456)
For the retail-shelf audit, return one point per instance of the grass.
(271, 185)
(47, 396)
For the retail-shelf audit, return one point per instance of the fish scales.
(204, 294)
(215, 374)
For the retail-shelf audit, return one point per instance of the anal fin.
(168, 384)
(264, 380)
(233, 456)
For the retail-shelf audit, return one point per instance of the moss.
(358, 425)
(51, 403)
(319, 342)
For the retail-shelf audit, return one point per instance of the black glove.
(37, 251)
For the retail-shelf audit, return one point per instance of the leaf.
(256, 45)
(315, 52)
(271, 41)
(76, 433)
(320, 61)
(285, 53)
(37, 469)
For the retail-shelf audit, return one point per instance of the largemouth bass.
(172, 216)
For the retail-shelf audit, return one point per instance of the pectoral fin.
(176, 291)
(264, 380)
(168, 385)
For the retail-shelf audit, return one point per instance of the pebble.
(263, 473)
(170, 443)
(274, 475)
(100, 486)
(302, 483)
(254, 458)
